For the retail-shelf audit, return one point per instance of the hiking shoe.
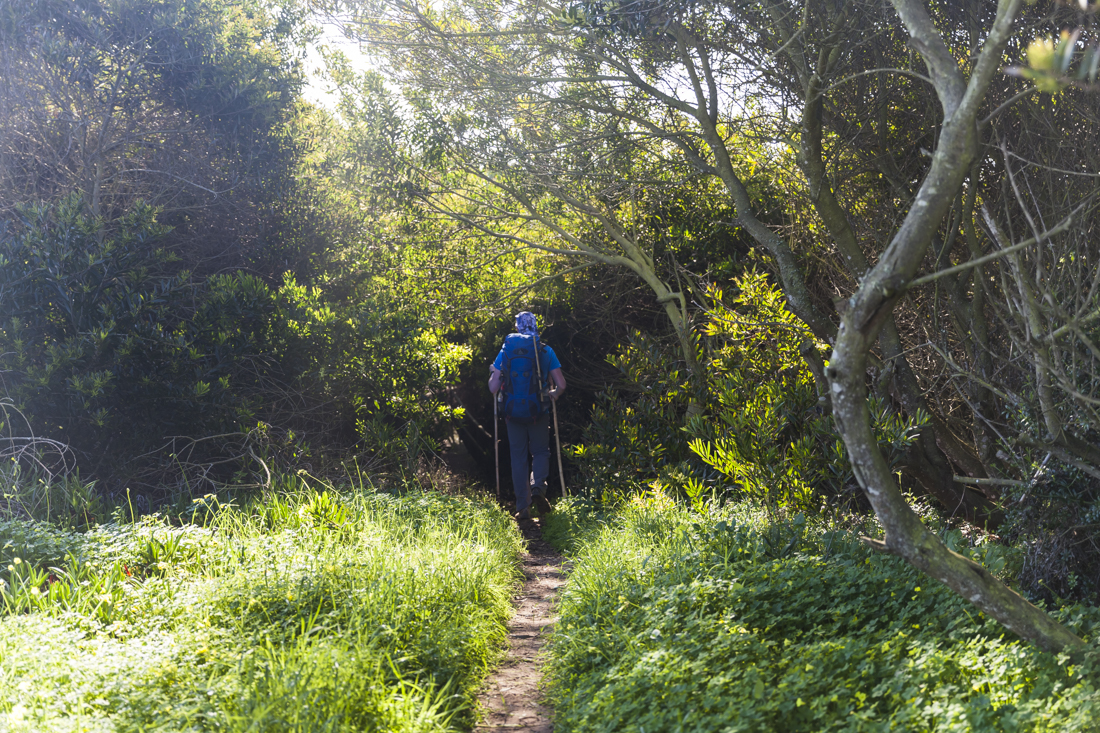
(523, 516)
(542, 504)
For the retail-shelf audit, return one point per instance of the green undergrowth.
(309, 610)
(730, 621)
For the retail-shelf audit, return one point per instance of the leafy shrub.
(764, 431)
(37, 543)
(108, 347)
(635, 427)
(86, 316)
(1054, 520)
(61, 498)
(676, 621)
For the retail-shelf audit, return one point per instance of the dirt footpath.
(512, 698)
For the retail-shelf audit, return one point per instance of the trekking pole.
(557, 437)
(496, 442)
(553, 408)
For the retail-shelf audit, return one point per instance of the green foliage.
(635, 427)
(572, 519)
(39, 544)
(86, 320)
(772, 439)
(311, 610)
(201, 269)
(1049, 62)
(178, 103)
(677, 621)
(62, 499)
(764, 433)
(372, 366)
(108, 352)
(1053, 520)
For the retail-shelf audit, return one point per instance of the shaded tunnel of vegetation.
(823, 277)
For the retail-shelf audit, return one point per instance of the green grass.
(309, 611)
(675, 621)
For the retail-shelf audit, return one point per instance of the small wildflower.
(17, 561)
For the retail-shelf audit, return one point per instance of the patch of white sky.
(320, 90)
(739, 99)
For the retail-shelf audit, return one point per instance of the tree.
(687, 82)
(961, 98)
(184, 288)
(521, 179)
(177, 104)
(584, 78)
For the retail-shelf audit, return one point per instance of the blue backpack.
(523, 395)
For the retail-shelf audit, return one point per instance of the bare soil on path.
(512, 699)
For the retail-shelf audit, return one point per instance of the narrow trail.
(512, 698)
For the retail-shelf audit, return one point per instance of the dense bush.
(110, 349)
(764, 431)
(635, 425)
(198, 295)
(1053, 519)
(313, 610)
(728, 621)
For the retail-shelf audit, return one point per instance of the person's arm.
(494, 379)
(559, 383)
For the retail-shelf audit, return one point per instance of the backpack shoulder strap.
(539, 350)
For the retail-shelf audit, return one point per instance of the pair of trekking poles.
(557, 435)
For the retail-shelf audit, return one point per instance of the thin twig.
(1061, 227)
(989, 481)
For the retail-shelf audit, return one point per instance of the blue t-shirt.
(550, 355)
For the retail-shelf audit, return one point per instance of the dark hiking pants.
(533, 439)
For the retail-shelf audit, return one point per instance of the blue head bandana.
(525, 323)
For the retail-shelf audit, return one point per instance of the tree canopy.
(814, 254)
(891, 134)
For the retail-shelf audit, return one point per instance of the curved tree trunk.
(871, 305)
(931, 456)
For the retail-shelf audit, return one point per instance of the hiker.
(526, 409)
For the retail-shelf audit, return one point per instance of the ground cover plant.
(306, 610)
(733, 620)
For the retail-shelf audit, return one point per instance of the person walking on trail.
(523, 386)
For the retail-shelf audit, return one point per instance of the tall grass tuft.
(311, 609)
